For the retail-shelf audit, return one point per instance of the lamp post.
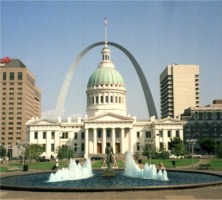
(22, 147)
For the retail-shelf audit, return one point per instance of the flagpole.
(105, 22)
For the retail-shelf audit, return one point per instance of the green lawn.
(215, 164)
(168, 162)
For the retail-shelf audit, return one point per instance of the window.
(117, 133)
(82, 147)
(97, 99)
(108, 133)
(11, 76)
(53, 135)
(107, 99)
(138, 146)
(75, 147)
(19, 76)
(177, 133)
(52, 147)
(64, 135)
(82, 135)
(36, 135)
(161, 133)
(75, 136)
(99, 133)
(138, 134)
(101, 99)
(169, 133)
(44, 135)
(4, 76)
(148, 134)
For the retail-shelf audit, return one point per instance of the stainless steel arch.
(146, 90)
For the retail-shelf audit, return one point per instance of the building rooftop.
(11, 63)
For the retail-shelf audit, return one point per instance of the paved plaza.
(214, 192)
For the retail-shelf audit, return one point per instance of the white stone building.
(106, 121)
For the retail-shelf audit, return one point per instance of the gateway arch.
(65, 87)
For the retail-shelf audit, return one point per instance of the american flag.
(105, 22)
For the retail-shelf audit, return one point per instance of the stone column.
(113, 140)
(86, 143)
(122, 149)
(104, 141)
(95, 141)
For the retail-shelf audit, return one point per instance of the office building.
(179, 89)
(20, 100)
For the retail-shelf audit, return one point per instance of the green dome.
(105, 76)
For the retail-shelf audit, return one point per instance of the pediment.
(43, 122)
(109, 117)
(168, 120)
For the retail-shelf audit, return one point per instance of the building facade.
(20, 100)
(179, 89)
(202, 122)
(106, 121)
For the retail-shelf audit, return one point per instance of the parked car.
(196, 156)
(172, 156)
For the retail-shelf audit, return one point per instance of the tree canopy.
(176, 146)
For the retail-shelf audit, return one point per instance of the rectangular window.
(111, 99)
(101, 99)
(161, 133)
(19, 76)
(4, 76)
(138, 146)
(169, 133)
(99, 133)
(75, 147)
(11, 76)
(64, 135)
(53, 147)
(177, 133)
(107, 99)
(36, 135)
(108, 133)
(44, 135)
(82, 147)
(148, 134)
(97, 99)
(117, 133)
(82, 135)
(53, 135)
(138, 134)
(75, 136)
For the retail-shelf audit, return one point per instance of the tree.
(2, 151)
(207, 144)
(65, 151)
(176, 146)
(148, 151)
(33, 151)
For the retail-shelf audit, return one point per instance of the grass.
(215, 164)
(168, 162)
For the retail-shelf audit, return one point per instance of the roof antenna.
(106, 23)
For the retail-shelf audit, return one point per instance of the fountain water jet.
(73, 172)
(149, 171)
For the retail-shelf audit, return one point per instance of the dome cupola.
(106, 89)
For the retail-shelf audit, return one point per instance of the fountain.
(149, 171)
(73, 172)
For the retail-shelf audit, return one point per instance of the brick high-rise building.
(179, 89)
(20, 100)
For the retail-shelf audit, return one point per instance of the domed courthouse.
(107, 121)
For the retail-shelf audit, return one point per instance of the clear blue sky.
(47, 36)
